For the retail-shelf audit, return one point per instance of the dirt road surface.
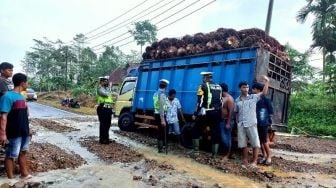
(65, 153)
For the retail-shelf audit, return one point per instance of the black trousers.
(212, 118)
(105, 117)
(161, 130)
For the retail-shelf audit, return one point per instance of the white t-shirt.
(172, 110)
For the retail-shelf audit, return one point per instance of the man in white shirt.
(245, 107)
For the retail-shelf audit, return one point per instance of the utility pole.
(66, 68)
(269, 17)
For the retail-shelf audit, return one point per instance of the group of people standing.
(14, 126)
(217, 109)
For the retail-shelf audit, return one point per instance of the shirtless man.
(227, 122)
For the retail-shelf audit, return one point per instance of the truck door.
(125, 95)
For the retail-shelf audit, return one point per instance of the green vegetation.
(312, 111)
(312, 104)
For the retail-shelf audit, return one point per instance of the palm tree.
(323, 26)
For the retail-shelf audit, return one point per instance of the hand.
(163, 123)
(3, 139)
(265, 78)
(193, 117)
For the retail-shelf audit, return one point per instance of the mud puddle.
(164, 170)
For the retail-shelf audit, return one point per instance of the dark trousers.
(104, 116)
(212, 118)
(161, 130)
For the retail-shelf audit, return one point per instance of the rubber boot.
(214, 150)
(179, 141)
(195, 143)
(160, 146)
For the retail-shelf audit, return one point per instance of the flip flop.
(244, 167)
(262, 161)
(26, 177)
(253, 165)
(268, 163)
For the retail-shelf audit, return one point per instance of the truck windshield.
(129, 85)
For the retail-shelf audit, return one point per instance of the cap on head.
(164, 82)
(206, 74)
(101, 78)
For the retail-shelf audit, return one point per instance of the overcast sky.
(22, 20)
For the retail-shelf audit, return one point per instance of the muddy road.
(65, 153)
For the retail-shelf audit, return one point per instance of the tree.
(323, 25)
(144, 32)
(302, 72)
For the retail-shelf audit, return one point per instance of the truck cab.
(124, 102)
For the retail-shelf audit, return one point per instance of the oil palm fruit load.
(221, 39)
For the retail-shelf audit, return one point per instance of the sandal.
(26, 177)
(244, 167)
(268, 163)
(262, 161)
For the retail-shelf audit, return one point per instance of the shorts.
(174, 128)
(262, 132)
(250, 133)
(17, 145)
(226, 134)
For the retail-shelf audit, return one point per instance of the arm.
(181, 114)
(3, 123)
(200, 95)
(231, 107)
(265, 89)
(103, 92)
(3, 88)
(236, 111)
(179, 107)
(162, 101)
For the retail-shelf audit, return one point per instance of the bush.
(313, 111)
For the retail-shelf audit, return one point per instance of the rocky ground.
(305, 144)
(264, 174)
(150, 170)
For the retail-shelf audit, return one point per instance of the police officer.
(104, 109)
(160, 102)
(208, 112)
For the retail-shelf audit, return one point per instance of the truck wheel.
(125, 121)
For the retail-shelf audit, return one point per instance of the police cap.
(164, 82)
(101, 78)
(206, 73)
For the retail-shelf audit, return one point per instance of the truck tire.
(126, 121)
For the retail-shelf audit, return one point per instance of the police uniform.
(208, 112)
(160, 108)
(104, 110)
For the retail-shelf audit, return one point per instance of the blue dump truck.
(135, 103)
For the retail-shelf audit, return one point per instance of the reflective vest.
(104, 100)
(156, 101)
(212, 95)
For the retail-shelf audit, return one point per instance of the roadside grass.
(56, 104)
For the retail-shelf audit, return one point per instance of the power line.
(108, 30)
(126, 12)
(164, 25)
(128, 31)
(189, 5)
(188, 14)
